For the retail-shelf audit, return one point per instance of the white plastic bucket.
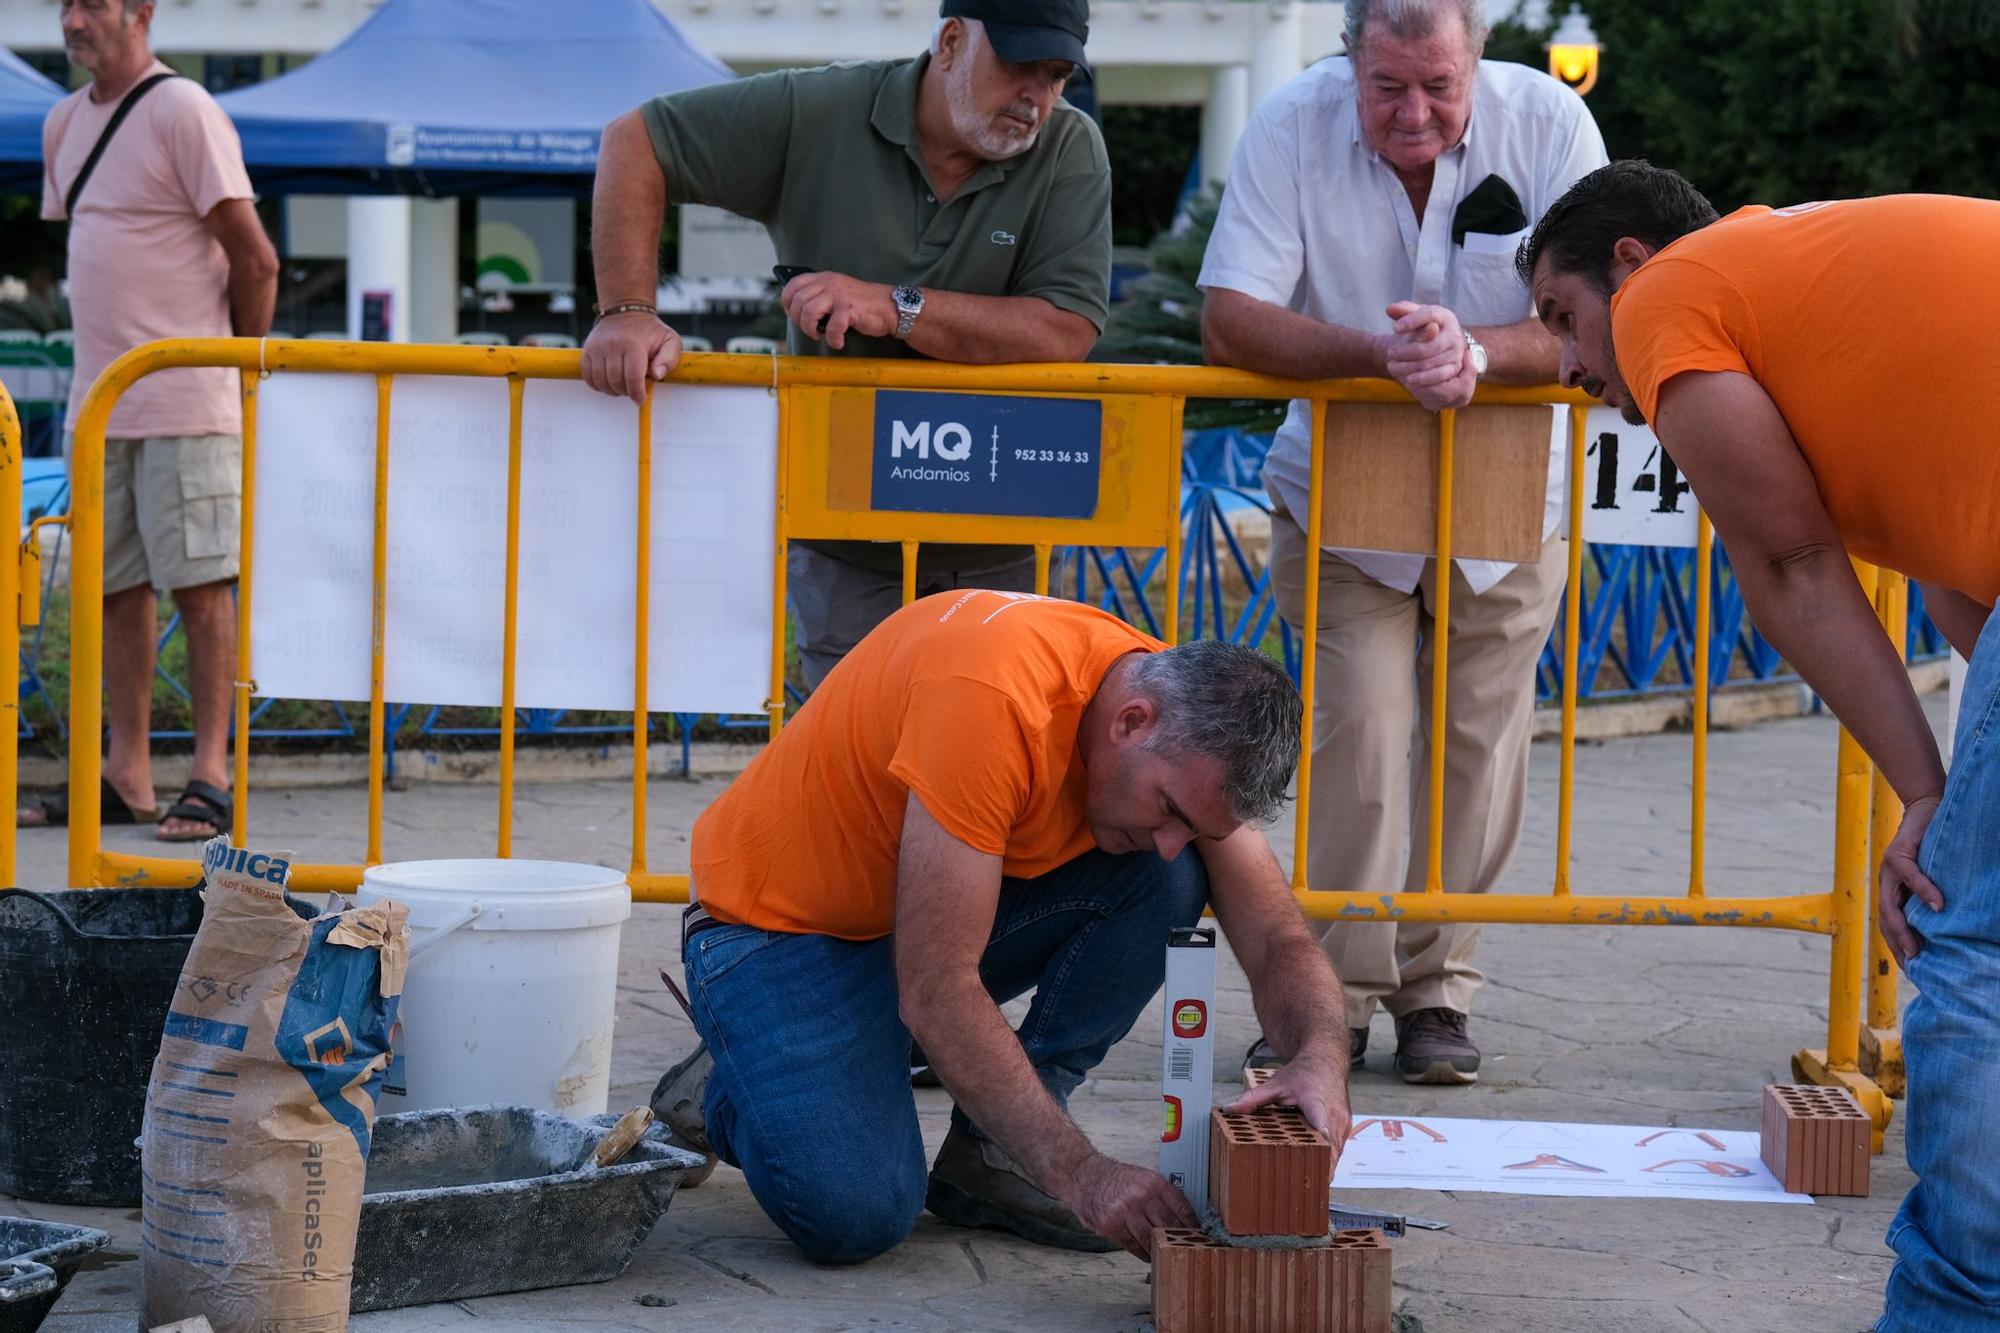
(512, 983)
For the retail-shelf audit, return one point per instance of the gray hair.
(1223, 701)
(1408, 19)
(974, 30)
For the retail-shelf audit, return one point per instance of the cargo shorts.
(172, 510)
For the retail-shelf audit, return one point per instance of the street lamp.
(1573, 51)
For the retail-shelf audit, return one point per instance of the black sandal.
(199, 802)
(111, 809)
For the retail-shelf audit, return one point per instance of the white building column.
(433, 270)
(1223, 117)
(378, 259)
(1279, 52)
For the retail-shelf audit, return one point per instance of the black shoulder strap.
(110, 128)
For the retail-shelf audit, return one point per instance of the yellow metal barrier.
(816, 498)
(14, 611)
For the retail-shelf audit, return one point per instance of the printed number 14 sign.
(1633, 495)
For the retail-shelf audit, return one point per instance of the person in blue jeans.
(994, 793)
(1772, 351)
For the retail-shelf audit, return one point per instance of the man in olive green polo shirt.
(951, 206)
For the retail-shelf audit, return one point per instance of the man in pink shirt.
(164, 242)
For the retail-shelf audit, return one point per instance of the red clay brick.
(1268, 1172)
(1816, 1140)
(1201, 1286)
(1257, 1078)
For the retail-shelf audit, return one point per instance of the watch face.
(908, 298)
(1478, 358)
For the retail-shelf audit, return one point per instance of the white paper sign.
(1529, 1157)
(1633, 495)
(712, 549)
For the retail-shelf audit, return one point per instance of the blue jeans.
(811, 1090)
(1947, 1233)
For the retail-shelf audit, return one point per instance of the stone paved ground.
(1669, 1026)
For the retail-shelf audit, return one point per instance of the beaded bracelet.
(626, 308)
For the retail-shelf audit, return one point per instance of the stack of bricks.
(1816, 1140)
(1268, 1179)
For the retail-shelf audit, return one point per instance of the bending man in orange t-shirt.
(994, 793)
(1789, 361)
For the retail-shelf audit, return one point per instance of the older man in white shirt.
(1373, 210)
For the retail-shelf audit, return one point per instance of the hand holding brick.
(1269, 1172)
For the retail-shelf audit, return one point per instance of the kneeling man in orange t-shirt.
(1824, 376)
(994, 793)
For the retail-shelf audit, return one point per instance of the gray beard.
(976, 128)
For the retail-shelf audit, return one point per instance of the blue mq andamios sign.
(957, 453)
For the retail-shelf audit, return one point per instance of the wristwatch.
(909, 304)
(1477, 352)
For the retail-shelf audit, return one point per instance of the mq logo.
(952, 440)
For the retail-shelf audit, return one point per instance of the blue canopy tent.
(451, 97)
(25, 99)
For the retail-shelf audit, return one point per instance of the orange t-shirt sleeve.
(964, 754)
(1676, 315)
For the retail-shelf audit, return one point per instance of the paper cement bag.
(262, 1102)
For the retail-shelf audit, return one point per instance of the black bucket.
(86, 976)
(37, 1260)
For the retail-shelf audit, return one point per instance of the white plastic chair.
(481, 338)
(60, 338)
(547, 340)
(694, 342)
(20, 336)
(750, 346)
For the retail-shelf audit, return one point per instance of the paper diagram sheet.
(1524, 1157)
(713, 543)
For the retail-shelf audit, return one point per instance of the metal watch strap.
(909, 304)
(1476, 350)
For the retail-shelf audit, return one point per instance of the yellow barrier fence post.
(1839, 1065)
(1309, 645)
(10, 630)
(510, 611)
(1882, 1034)
(378, 616)
(1572, 631)
(1440, 651)
(775, 704)
(239, 821)
(86, 633)
(642, 629)
(1704, 575)
(1176, 414)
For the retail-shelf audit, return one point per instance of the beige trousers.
(1371, 764)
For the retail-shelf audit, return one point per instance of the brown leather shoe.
(1431, 1047)
(974, 1184)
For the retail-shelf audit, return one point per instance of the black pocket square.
(1492, 208)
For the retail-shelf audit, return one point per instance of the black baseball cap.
(1025, 31)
